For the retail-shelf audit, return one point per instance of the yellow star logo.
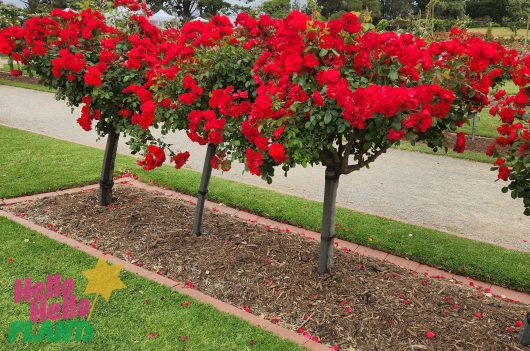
(102, 281)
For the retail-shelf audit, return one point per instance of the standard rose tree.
(212, 93)
(513, 165)
(331, 94)
(103, 65)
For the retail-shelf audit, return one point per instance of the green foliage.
(449, 9)
(276, 8)
(395, 8)
(9, 15)
(517, 14)
(187, 9)
(494, 9)
(334, 9)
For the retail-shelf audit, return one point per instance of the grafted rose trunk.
(524, 336)
(203, 190)
(105, 182)
(327, 235)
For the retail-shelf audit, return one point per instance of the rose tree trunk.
(203, 190)
(105, 182)
(327, 235)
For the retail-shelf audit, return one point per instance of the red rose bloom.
(93, 76)
(460, 145)
(277, 152)
(395, 134)
(254, 161)
(317, 98)
(180, 159)
(504, 173)
(155, 158)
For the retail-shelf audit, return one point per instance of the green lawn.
(125, 322)
(486, 124)
(466, 155)
(498, 31)
(33, 163)
(13, 83)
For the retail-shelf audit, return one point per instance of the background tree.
(450, 9)
(334, 9)
(276, 8)
(188, 9)
(395, 8)
(495, 9)
(9, 15)
(517, 12)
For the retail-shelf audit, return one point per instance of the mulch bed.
(480, 144)
(364, 305)
(22, 79)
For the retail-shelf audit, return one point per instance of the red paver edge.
(311, 235)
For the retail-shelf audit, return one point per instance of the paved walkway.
(440, 192)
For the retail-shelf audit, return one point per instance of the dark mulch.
(365, 304)
(480, 144)
(23, 79)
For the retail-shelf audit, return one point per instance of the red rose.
(155, 158)
(254, 161)
(499, 95)
(310, 60)
(521, 99)
(460, 144)
(261, 142)
(180, 159)
(317, 98)
(499, 162)
(504, 173)
(215, 137)
(395, 134)
(93, 76)
(16, 72)
(277, 152)
(278, 132)
(148, 107)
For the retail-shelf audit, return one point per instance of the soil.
(23, 79)
(480, 144)
(365, 304)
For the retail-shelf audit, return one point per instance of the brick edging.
(311, 235)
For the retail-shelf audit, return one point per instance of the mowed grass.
(18, 84)
(486, 124)
(466, 155)
(125, 322)
(33, 163)
(498, 31)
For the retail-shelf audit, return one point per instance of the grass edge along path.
(61, 164)
(145, 315)
(24, 85)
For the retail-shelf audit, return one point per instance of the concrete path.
(448, 194)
